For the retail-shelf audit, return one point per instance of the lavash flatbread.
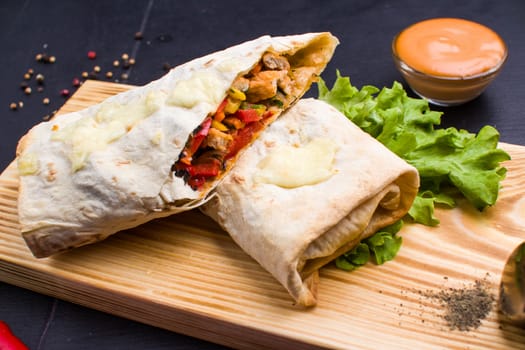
(89, 174)
(294, 230)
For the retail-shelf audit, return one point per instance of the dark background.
(177, 31)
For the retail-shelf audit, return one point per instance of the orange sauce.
(450, 47)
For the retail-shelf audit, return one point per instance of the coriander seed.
(39, 78)
(13, 106)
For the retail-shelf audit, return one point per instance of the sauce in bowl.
(448, 60)
(450, 47)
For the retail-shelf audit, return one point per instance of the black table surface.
(176, 31)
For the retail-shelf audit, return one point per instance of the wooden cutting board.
(185, 274)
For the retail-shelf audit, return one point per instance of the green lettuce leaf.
(383, 246)
(407, 126)
(354, 258)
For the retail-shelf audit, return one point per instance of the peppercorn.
(85, 75)
(109, 75)
(64, 92)
(39, 57)
(52, 59)
(96, 69)
(116, 63)
(76, 81)
(166, 66)
(124, 76)
(23, 85)
(13, 106)
(131, 61)
(20, 104)
(139, 36)
(92, 55)
(27, 76)
(39, 78)
(125, 56)
(30, 71)
(27, 90)
(45, 101)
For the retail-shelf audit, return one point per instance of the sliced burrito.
(310, 188)
(161, 148)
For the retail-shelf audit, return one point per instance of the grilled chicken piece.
(218, 140)
(264, 85)
(241, 84)
(275, 62)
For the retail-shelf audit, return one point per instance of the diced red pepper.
(196, 182)
(8, 341)
(200, 136)
(248, 115)
(242, 138)
(204, 170)
(219, 114)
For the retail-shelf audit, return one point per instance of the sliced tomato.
(248, 115)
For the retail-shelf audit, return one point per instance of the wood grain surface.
(185, 274)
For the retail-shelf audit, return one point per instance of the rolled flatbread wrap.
(161, 148)
(310, 188)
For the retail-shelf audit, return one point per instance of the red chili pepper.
(248, 115)
(8, 341)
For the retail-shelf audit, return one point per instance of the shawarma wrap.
(310, 188)
(158, 149)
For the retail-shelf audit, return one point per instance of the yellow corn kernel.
(232, 106)
(236, 94)
(218, 125)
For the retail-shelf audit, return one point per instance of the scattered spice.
(39, 78)
(85, 75)
(125, 56)
(76, 82)
(97, 69)
(124, 76)
(139, 36)
(24, 85)
(464, 307)
(166, 66)
(109, 75)
(27, 90)
(20, 104)
(92, 55)
(116, 63)
(45, 101)
(64, 92)
(27, 76)
(13, 106)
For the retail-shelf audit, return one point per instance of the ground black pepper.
(464, 307)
